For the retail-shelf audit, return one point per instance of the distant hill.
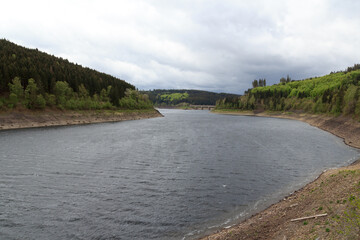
(172, 97)
(337, 93)
(46, 70)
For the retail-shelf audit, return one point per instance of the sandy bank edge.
(32, 119)
(275, 221)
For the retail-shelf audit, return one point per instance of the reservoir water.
(176, 177)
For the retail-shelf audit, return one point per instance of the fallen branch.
(304, 218)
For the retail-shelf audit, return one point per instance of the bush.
(350, 99)
(318, 107)
(50, 99)
(30, 94)
(62, 92)
(134, 100)
(13, 99)
(107, 105)
(16, 87)
(40, 102)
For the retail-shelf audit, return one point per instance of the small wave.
(136, 222)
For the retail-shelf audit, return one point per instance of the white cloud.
(212, 45)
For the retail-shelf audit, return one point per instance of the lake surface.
(176, 177)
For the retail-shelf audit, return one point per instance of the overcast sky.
(215, 45)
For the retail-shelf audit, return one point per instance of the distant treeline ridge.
(336, 93)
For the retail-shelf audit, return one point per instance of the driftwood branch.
(304, 218)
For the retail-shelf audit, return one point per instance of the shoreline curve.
(49, 118)
(331, 193)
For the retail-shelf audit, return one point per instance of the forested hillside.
(336, 93)
(36, 79)
(174, 97)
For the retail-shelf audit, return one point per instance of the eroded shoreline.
(32, 119)
(332, 193)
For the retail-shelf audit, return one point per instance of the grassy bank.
(44, 118)
(335, 193)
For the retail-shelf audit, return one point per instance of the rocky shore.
(327, 208)
(30, 119)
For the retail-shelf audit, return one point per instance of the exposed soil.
(28, 119)
(336, 192)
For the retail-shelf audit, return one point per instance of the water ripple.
(165, 178)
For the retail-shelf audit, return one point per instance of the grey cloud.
(212, 45)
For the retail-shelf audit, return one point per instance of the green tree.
(31, 94)
(288, 79)
(350, 99)
(16, 88)
(255, 83)
(62, 92)
(83, 92)
(40, 102)
(105, 94)
(50, 99)
(13, 99)
(135, 100)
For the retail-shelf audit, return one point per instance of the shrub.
(62, 92)
(350, 99)
(13, 99)
(134, 100)
(30, 94)
(40, 102)
(50, 99)
(318, 107)
(16, 87)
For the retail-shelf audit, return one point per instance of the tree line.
(46, 70)
(336, 93)
(172, 97)
(65, 98)
(34, 79)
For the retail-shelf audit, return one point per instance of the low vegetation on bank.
(64, 97)
(337, 93)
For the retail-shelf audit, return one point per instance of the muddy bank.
(29, 119)
(335, 193)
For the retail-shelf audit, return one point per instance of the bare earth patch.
(28, 119)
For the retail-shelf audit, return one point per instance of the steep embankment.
(29, 119)
(334, 197)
